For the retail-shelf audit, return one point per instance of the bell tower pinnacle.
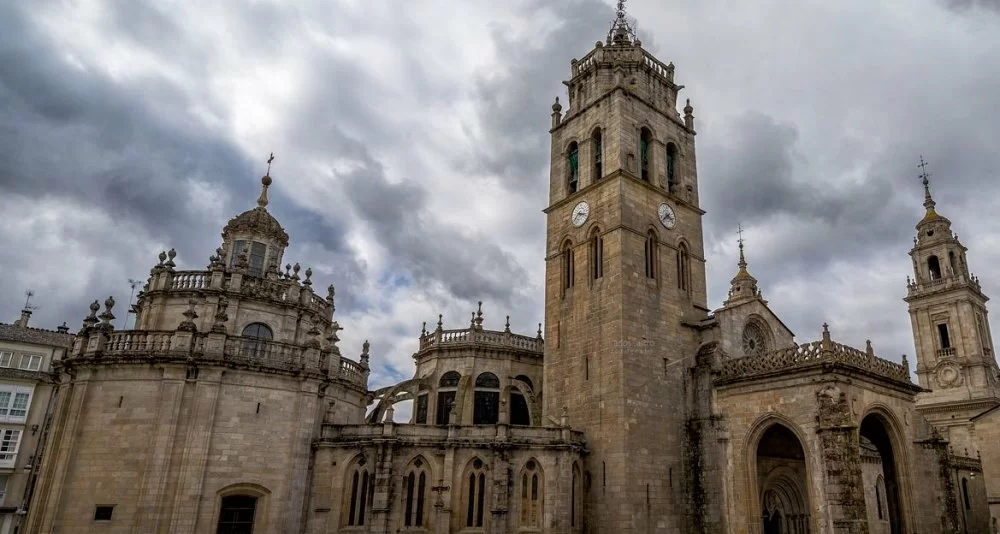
(625, 279)
(955, 357)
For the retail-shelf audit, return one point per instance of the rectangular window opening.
(943, 336)
(103, 512)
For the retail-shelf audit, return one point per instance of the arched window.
(526, 380)
(475, 495)
(415, 495)
(645, 143)
(361, 484)
(596, 254)
(519, 414)
(255, 345)
(576, 498)
(880, 497)
(671, 166)
(569, 270)
(531, 496)
(683, 268)
(650, 255)
(965, 494)
(448, 387)
(573, 167)
(598, 154)
(236, 514)
(487, 400)
(934, 267)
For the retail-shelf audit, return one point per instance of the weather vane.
(269, 160)
(739, 230)
(27, 299)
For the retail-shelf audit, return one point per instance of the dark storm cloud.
(962, 5)
(515, 105)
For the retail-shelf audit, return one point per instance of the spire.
(743, 286)
(743, 260)
(928, 201)
(266, 181)
(621, 31)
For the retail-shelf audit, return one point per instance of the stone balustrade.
(478, 337)
(216, 348)
(283, 290)
(807, 355)
(618, 55)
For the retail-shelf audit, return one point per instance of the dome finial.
(266, 182)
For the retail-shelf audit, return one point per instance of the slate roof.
(37, 336)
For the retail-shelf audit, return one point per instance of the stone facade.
(231, 409)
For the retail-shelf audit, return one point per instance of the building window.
(569, 270)
(446, 398)
(103, 512)
(965, 494)
(650, 255)
(573, 166)
(487, 400)
(598, 155)
(255, 345)
(755, 338)
(683, 268)
(6, 358)
(361, 483)
(475, 495)
(645, 140)
(519, 414)
(414, 495)
(236, 515)
(421, 418)
(26, 362)
(576, 498)
(14, 401)
(943, 336)
(596, 255)
(531, 496)
(934, 267)
(10, 440)
(671, 166)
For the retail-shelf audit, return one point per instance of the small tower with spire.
(255, 234)
(951, 334)
(743, 287)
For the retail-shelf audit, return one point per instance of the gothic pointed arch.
(446, 396)
(683, 266)
(473, 508)
(645, 153)
(573, 167)
(882, 429)
(530, 491)
(597, 153)
(415, 494)
(359, 487)
(568, 265)
(651, 253)
(596, 253)
(673, 156)
(778, 475)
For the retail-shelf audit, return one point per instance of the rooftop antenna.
(128, 311)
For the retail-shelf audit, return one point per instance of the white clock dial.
(580, 214)
(667, 217)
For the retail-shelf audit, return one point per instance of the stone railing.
(475, 336)
(809, 355)
(946, 353)
(215, 348)
(280, 290)
(618, 54)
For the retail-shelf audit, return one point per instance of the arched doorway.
(781, 482)
(875, 434)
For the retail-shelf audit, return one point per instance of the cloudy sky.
(411, 148)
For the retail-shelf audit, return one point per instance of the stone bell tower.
(955, 358)
(625, 280)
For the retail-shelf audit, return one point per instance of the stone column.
(308, 411)
(500, 491)
(384, 483)
(841, 458)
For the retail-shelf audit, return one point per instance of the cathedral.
(636, 407)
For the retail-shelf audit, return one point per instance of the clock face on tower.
(580, 213)
(666, 214)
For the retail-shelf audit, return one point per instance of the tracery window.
(754, 339)
(475, 492)
(531, 496)
(361, 484)
(414, 495)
